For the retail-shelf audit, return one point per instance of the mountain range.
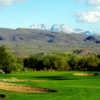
(24, 42)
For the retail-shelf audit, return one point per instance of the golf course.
(50, 86)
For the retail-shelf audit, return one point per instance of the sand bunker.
(84, 74)
(22, 88)
(14, 79)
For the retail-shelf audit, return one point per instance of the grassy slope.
(69, 87)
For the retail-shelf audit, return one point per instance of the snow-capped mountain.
(60, 28)
(54, 27)
(40, 26)
(85, 32)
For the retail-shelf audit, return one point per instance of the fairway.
(67, 86)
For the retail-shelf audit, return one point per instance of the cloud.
(91, 2)
(90, 16)
(9, 2)
(94, 2)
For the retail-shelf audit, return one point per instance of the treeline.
(57, 62)
(61, 62)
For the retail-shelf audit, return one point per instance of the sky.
(76, 14)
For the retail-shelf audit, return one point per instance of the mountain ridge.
(24, 42)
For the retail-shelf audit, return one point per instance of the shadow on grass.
(53, 78)
(2, 96)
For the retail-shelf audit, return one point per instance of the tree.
(55, 62)
(89, 63)
(73, 60)
(8, 62)
(33, 62)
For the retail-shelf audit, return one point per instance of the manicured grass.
(69, 87)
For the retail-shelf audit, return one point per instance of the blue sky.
(84, 14)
